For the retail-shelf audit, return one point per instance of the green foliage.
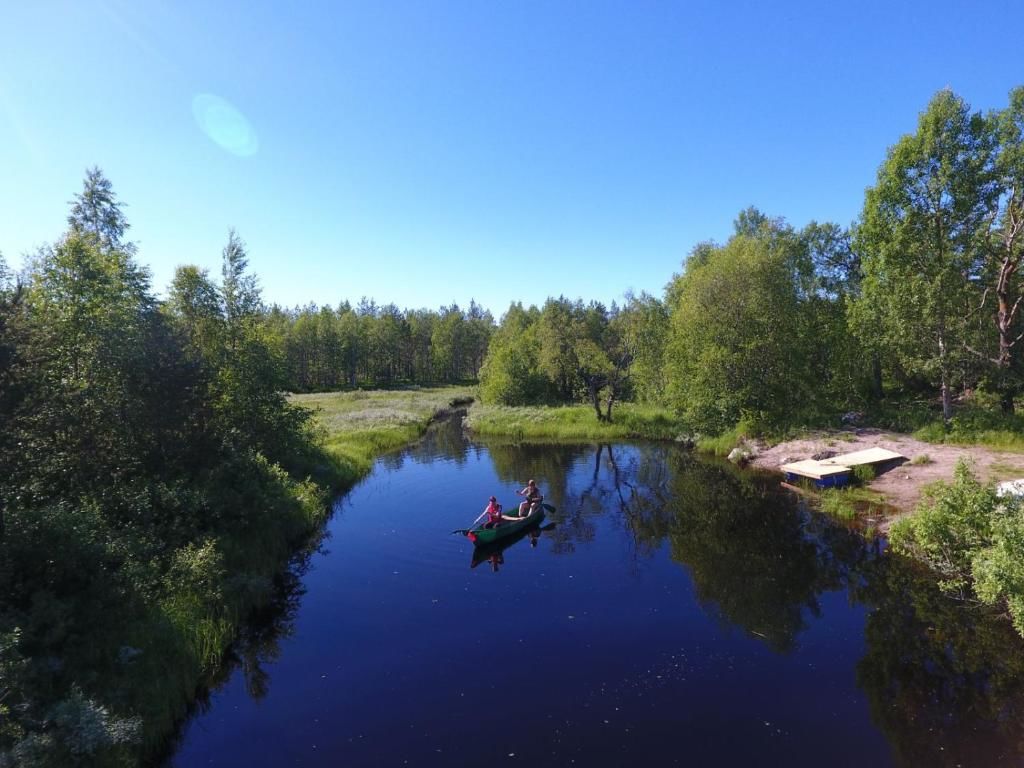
(846, 503)
(971, 425)
(511, 373)
(78, 730)
(864, 473)
(194, 307)
(722, 445)
(150, 456)
(734, 351)
(568, 352)
(96, 213)
(583, 353)
(838, 504)
(951, 525)
(973, 539)
(194, 602)
(644, 323)
(574, 422)
(998, 569)
(920, 236)
(326, 349)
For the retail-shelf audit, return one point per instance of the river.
(672, 611)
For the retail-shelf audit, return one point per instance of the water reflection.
(755, 561)
(494, 553)
(259, 642)
(942, 681)
(945, 680)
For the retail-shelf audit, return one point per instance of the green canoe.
(481, 535)
(494, 552)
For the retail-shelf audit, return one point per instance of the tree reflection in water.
(555, 467)
(258, 643)
(754, 560)
(944, 680)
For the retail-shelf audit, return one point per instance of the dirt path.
(901, 485)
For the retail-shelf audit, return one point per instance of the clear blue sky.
(429, 152)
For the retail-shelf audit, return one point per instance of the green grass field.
(572, 422)
(361, 425)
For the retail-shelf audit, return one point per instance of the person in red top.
(493, 511)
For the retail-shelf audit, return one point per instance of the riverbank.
(359, 426)
(896, 491)
(573, 422)
(901, 486)
(354, 429)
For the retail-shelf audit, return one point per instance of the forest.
(327, 349)
(157, 479)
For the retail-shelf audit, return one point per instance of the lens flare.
(225, 125)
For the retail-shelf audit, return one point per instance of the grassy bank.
(977, 422)
(214, 588)
(573, 422)
(848, 503)
(185, 639)
(359, 426)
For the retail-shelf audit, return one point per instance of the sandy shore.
(900, 485)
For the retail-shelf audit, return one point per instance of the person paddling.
(494, 513)
(533, 498)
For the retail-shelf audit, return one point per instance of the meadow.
(358, 426)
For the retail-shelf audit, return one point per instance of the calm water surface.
(678, 612)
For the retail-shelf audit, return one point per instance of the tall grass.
(573, 422)
(847, 503)
(359, 426)
(838, 504)
(722, 445)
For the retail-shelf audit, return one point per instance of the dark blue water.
(677, 613)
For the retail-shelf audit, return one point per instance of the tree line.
(779, 326)
(567, 351)
(369, 345)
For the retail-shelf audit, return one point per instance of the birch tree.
(919, 240)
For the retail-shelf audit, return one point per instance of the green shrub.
(949, 528)
(934, 432)
(722, 445)
(864, 473)
(998, 569)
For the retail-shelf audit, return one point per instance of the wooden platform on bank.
(835, 472)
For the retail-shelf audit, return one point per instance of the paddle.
(464, 531)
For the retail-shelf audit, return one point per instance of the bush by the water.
(973, 539)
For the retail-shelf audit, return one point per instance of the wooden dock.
(868, 456)
(835, 472)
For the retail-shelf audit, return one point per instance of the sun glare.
(225, 125)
